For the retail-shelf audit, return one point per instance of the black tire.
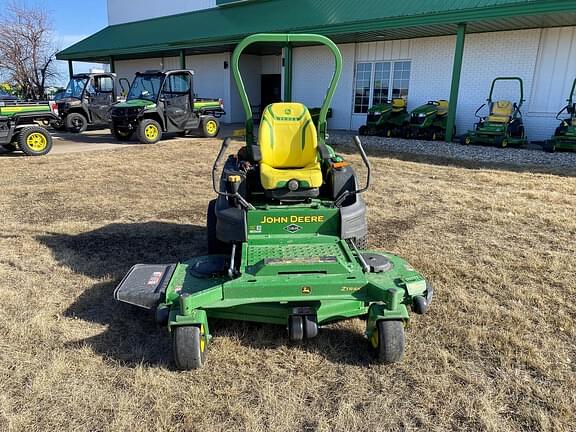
(503, 142)
(58, 125)
(549, 146)
(121, 135)
(362, 131)
(420, 305)
(215, 246)
(295, 328)
(189, 347)
(388, 340)
(465, 139)
(9, 147)
(149, 131)
(210, 126)
(361, 242)
(76, 123)
(35, 141)
(310, 326)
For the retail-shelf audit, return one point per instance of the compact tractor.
(428, 121)
(503, 126)
(164, 102)
(565, 136)
(386, 119)
(87, 101)
(20, 127)
(286, 240)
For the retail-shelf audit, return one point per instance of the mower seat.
(289, 148)
(398, 104)
(442, 108)
(501, 112)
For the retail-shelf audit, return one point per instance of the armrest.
(324, 152)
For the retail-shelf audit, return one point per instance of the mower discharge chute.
(286, 239)
(565, 135)
(429, 121)
(503, 126)
(386, 119)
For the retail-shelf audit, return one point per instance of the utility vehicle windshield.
(76, 87)
(145, 87)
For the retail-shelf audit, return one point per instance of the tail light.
(221, 103)
(54, 108)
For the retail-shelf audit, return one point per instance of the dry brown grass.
(497, 351)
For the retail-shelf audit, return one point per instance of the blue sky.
(72, 22)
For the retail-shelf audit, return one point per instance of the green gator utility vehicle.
(428, 121)
(287, 240)
(386, 119)
(88, 99)
(20, 127)
(160, 102)
(565, 136)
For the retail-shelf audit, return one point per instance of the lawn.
(496, 352)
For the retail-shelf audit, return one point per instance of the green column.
(70, 69)
(288, 73)
(112, 65)
(182, 60)
(455, 88)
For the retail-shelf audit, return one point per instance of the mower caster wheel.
(388, 340)
(420, 305)
(295, 328)
(189, 347)
(310, 326)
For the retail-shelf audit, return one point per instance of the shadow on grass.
(132, 337)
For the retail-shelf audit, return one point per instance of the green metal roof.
(220, 28)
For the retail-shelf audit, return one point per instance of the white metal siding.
(123, 11)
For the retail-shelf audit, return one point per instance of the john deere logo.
(293, 228)
(287, 111)
(306, 290)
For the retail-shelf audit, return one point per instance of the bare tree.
(27, 49)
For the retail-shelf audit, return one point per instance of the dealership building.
(417, 49)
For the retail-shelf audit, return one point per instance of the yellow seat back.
(442, 108)
(501, 111)
(398, 104)
(287, 136)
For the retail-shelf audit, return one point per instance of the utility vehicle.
(87, 101)
(503, 126)
(428, 121)
(388, 119)
(160, 102)
(20, 127)
(565, 135)
(286, 240)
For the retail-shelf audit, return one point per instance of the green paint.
(455, 86)
(288, 73)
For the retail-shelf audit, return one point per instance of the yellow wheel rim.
(37, 141)
(434, 137)
(505, 143)
(151, 132)
(374, 338)
(389, 133)
(211, 127)
(202, 338)
(467, 140)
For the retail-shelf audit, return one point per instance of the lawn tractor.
(20, 127)
(87, 101)
(164, 102)
(286, 240)
(503, 126)
(386, 119)
(428, 121)
(565, 136)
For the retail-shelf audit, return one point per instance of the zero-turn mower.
(386, 119)
(503, 126)
(428, 121)
(565, 135)
(286, 240)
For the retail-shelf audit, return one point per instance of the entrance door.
(271, 85)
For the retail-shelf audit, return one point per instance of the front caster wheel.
(295, 328)
(189, 347)
(420, 305)
(310, 326)
(388, 340)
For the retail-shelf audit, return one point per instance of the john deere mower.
(565, 136)
(286, 240)
(386, 119)
(428, 121)
(503, 126)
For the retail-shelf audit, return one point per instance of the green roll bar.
(521, 101)
(285, 40)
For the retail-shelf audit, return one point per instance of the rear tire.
(465, 140)
(210, 127)
(549, 146)
(76, 123)
(149, 131)
(35, 141)
(388, 340)
(361, 242)
(189, 347)
(362, 131)
(215, 246)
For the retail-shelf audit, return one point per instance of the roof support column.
(182, 60)
(288, 73)
(112, 65)
(70, 69)
(455, 87)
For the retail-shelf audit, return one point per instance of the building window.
(374, 81)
